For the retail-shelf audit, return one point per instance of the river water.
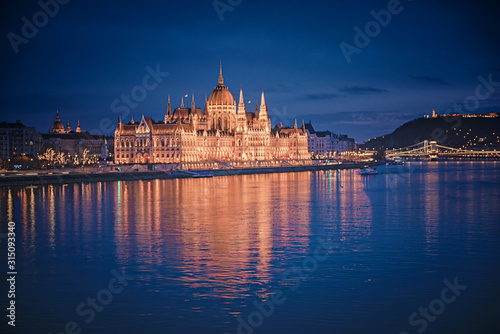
(413, 249)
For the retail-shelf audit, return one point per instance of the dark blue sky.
(91, 52)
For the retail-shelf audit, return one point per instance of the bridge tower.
(426, 146)
(433, 151)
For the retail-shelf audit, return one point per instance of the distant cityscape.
(223, 131)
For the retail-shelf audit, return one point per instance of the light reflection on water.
(202, 250)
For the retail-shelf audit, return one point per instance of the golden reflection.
(431, 210)
(32, 212)
(348, 214)
(221, 229)
(52, 220)
(10, 206)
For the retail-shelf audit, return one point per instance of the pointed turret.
(263, 107)
(79, 129)
(295, 126)
(221, 79)
(169, 107)
(303, 125)
(132, 120)
(182, 102)
(193, 107)
(68, 128)
(241, 105)
(256, 110)
(205, 111)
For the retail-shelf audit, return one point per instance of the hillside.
(480, 131)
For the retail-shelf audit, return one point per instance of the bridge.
(432, 150)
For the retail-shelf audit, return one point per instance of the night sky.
(90, 53)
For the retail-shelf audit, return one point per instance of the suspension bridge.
(432, 150)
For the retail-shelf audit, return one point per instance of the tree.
(49, 156)
(61, 158)
(85, 156)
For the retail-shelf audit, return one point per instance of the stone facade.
(64, 139)
(327, 143)
(223, 131)
(17, 139)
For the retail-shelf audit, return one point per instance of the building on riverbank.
(223, 131)
(73, 142)
(328, 143)
(16, 139)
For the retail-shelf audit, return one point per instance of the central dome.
(57, 127)
(221, 94)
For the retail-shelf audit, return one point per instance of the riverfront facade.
(223, 131)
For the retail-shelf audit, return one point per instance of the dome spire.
(57, 127)
(221, 79)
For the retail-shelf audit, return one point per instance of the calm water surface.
(322, 252)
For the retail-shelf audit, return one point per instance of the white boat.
(396, 161)
(368, 171)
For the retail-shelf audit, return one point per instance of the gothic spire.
(169, 107)
(263, 106)
(193, 107)
(241, 105)
(205, 110)
(182, 101)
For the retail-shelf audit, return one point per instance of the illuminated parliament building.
(223, 131)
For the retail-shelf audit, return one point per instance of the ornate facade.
(223, 131)
(64, 139)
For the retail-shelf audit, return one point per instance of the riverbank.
(61, 177)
